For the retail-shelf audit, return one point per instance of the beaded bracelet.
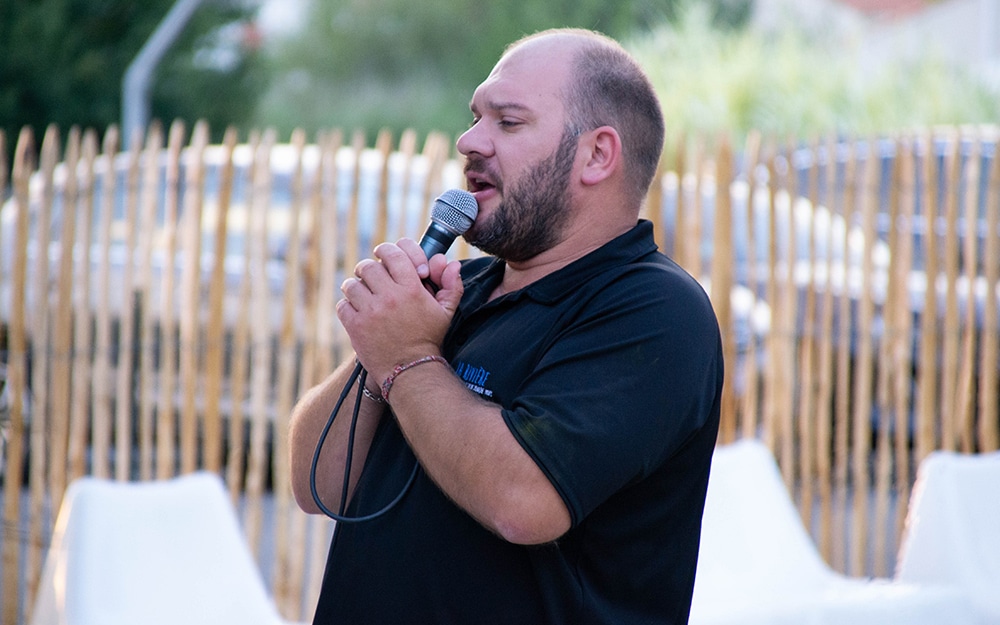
(387, 385)
(372, 396)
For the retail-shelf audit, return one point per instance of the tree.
(62, 62)
(404, 64)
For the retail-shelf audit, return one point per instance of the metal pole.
(138, 76)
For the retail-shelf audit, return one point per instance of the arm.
(461, 441)
(306, 424)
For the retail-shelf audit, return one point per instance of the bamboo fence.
(163, 306)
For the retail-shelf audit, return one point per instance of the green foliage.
(404, 64)
(62, 62)
(797, 84)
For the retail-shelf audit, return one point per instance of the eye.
(509, 124)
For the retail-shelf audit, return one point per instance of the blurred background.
(810, 67)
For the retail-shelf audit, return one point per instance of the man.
(561, 397)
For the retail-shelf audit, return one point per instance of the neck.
(577, 244)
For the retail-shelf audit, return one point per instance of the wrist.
(400, 369)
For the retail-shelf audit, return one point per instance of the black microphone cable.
(453, 213)
(359, 374)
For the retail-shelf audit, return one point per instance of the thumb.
(451, 287)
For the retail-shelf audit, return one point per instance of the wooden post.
(82, 332)
(148, 312)
(965, 391)
(101, 388)
(17, 377)
(287, 576)
(951, 334)
(166, 422)
(215, 338)
(989, 381)
(825, 361)
(41, 414)
(190, 327)
(722, 282)
(241, 332)
(926, 435)
(62, 326)
(864, 366)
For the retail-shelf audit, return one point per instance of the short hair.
(608, 87)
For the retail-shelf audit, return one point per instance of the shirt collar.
(634, 244)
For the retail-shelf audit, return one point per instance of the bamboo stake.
(101, 388)
(679, 251)
(41, 416)
(952, 332)
(144, 288)
(124, 381)
(786, 326)
(887, 375)
(825, 359)
(190, 374)
(328, 248)
(864, 367)
(288, 574)
(755, 200)
(965, 392)
(62, 326)
(927, 374)
(383, 145)
(17, 377)
(215, 342)
(989, 380)
(166, 422)
(260, 330)
(721, 283)
(82, 332)
(807, 351)
(405, 152)
(842, 408)
(241, 338)
(901, 359)
(771, 379)
(353, 253)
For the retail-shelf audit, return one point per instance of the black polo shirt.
(608, 372)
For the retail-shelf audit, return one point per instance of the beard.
(533, 213)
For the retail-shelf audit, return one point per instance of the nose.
(474, 141)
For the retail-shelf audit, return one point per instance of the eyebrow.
(501, 107)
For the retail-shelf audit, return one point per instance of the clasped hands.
(389, 312)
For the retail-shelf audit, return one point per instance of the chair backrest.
(952, 533)
(165, 552)
(754, 546)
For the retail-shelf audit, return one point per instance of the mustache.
(479, 166)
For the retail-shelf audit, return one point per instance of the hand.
(389, 314)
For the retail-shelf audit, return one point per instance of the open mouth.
(478, 182)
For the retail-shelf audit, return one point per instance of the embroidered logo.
(475, 378)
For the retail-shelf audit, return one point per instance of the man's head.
(564, 112)
(607, 87)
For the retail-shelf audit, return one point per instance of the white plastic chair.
(952, 533)
(152, 553)
(758, 564)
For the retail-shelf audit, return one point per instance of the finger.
(416, 256)
(452, 287)
(372, 274)
(396, 264)
(354, 291)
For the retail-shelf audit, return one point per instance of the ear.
(603, 148)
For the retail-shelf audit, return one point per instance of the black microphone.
(452, 214)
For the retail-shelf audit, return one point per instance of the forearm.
(308, 419)
(466, 447)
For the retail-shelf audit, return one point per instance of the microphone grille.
(455, 209)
